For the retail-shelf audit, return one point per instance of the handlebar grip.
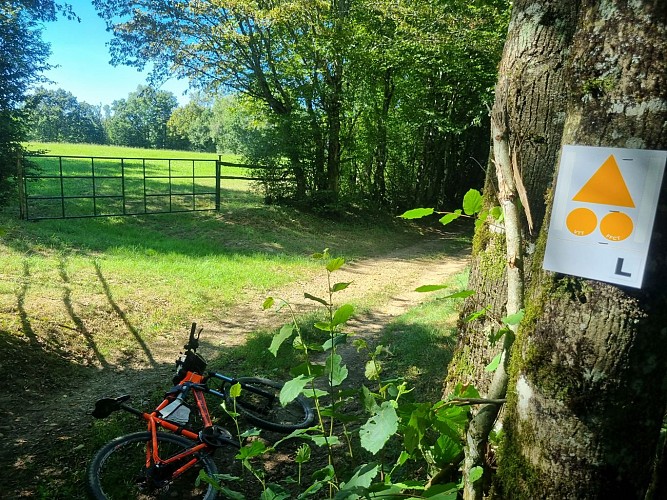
(193, 341)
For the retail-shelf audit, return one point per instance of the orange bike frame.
(152, 456)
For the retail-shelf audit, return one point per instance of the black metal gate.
(61, 187)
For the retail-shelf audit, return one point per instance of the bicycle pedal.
(217, 436)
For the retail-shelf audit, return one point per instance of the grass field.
(160, 270)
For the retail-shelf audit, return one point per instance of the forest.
(389, 102)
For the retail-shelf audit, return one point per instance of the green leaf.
(274, 492)
(514, 319)
(337, 287)
(268, 303)
(337, 340)
(475, 474)
(285, 332)
(360, 344)
(430, 288)
(373, 370)
(316, 299)
(302, 454)
(293, 388)
(324, 474)
(496, 212)
(447, 491)
(447, 450)
(362, 478)
(311, 490)
(323, 255)
(307, 369)
(463, 294)
(309, 392)
(325, 440)
(325, 326)
(402, 458)
(495, 337)
(342, 314)
(420, 421)
(368, 398)
(476, 315)
(417, 213)
(235, 390)
(298, 433)
(335, 371)
(379, 428)
(472, 202)
(227, 493)
(335, 264)
(494, 364)
(255, 448)
(465, 391)
(451, 217)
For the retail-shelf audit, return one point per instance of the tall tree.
(585, 375)
(57, 116)
(23, 57)
(189, 127)
(276, 52)
(423, 73)
(141, 119)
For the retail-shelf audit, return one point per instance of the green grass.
(118, 180)
(70, 149)
(422, 341)
(150, 274)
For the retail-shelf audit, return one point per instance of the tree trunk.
(379, 187)
(587, 389)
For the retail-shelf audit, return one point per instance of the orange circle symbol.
(581, 221)
(616, 226)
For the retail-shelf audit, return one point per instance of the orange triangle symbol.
(606, 186)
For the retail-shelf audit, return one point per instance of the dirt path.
(32, 425)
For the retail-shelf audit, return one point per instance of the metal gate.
(61, 187)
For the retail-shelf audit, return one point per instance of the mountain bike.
(156, 464)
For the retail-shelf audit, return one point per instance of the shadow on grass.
(80, 325)
(121, 314)
(243, 226)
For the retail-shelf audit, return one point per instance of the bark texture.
(531, 95)
(587, 390)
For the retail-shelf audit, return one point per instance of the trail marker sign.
(603, 212)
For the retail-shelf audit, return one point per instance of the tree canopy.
(378, 93)
(141, 119)
(23, 57)
(57, 116)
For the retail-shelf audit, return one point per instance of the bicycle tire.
(270, 414)
(118, 470)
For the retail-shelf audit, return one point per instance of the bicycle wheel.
(264, 409)
(118, 470)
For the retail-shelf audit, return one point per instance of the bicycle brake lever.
(106, 406)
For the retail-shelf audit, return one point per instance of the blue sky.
(80, 51)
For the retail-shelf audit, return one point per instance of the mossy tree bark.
(587, 388)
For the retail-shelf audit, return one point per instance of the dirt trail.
(34, 423)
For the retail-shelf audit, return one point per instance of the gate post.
(218, 169)
(23, 205)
